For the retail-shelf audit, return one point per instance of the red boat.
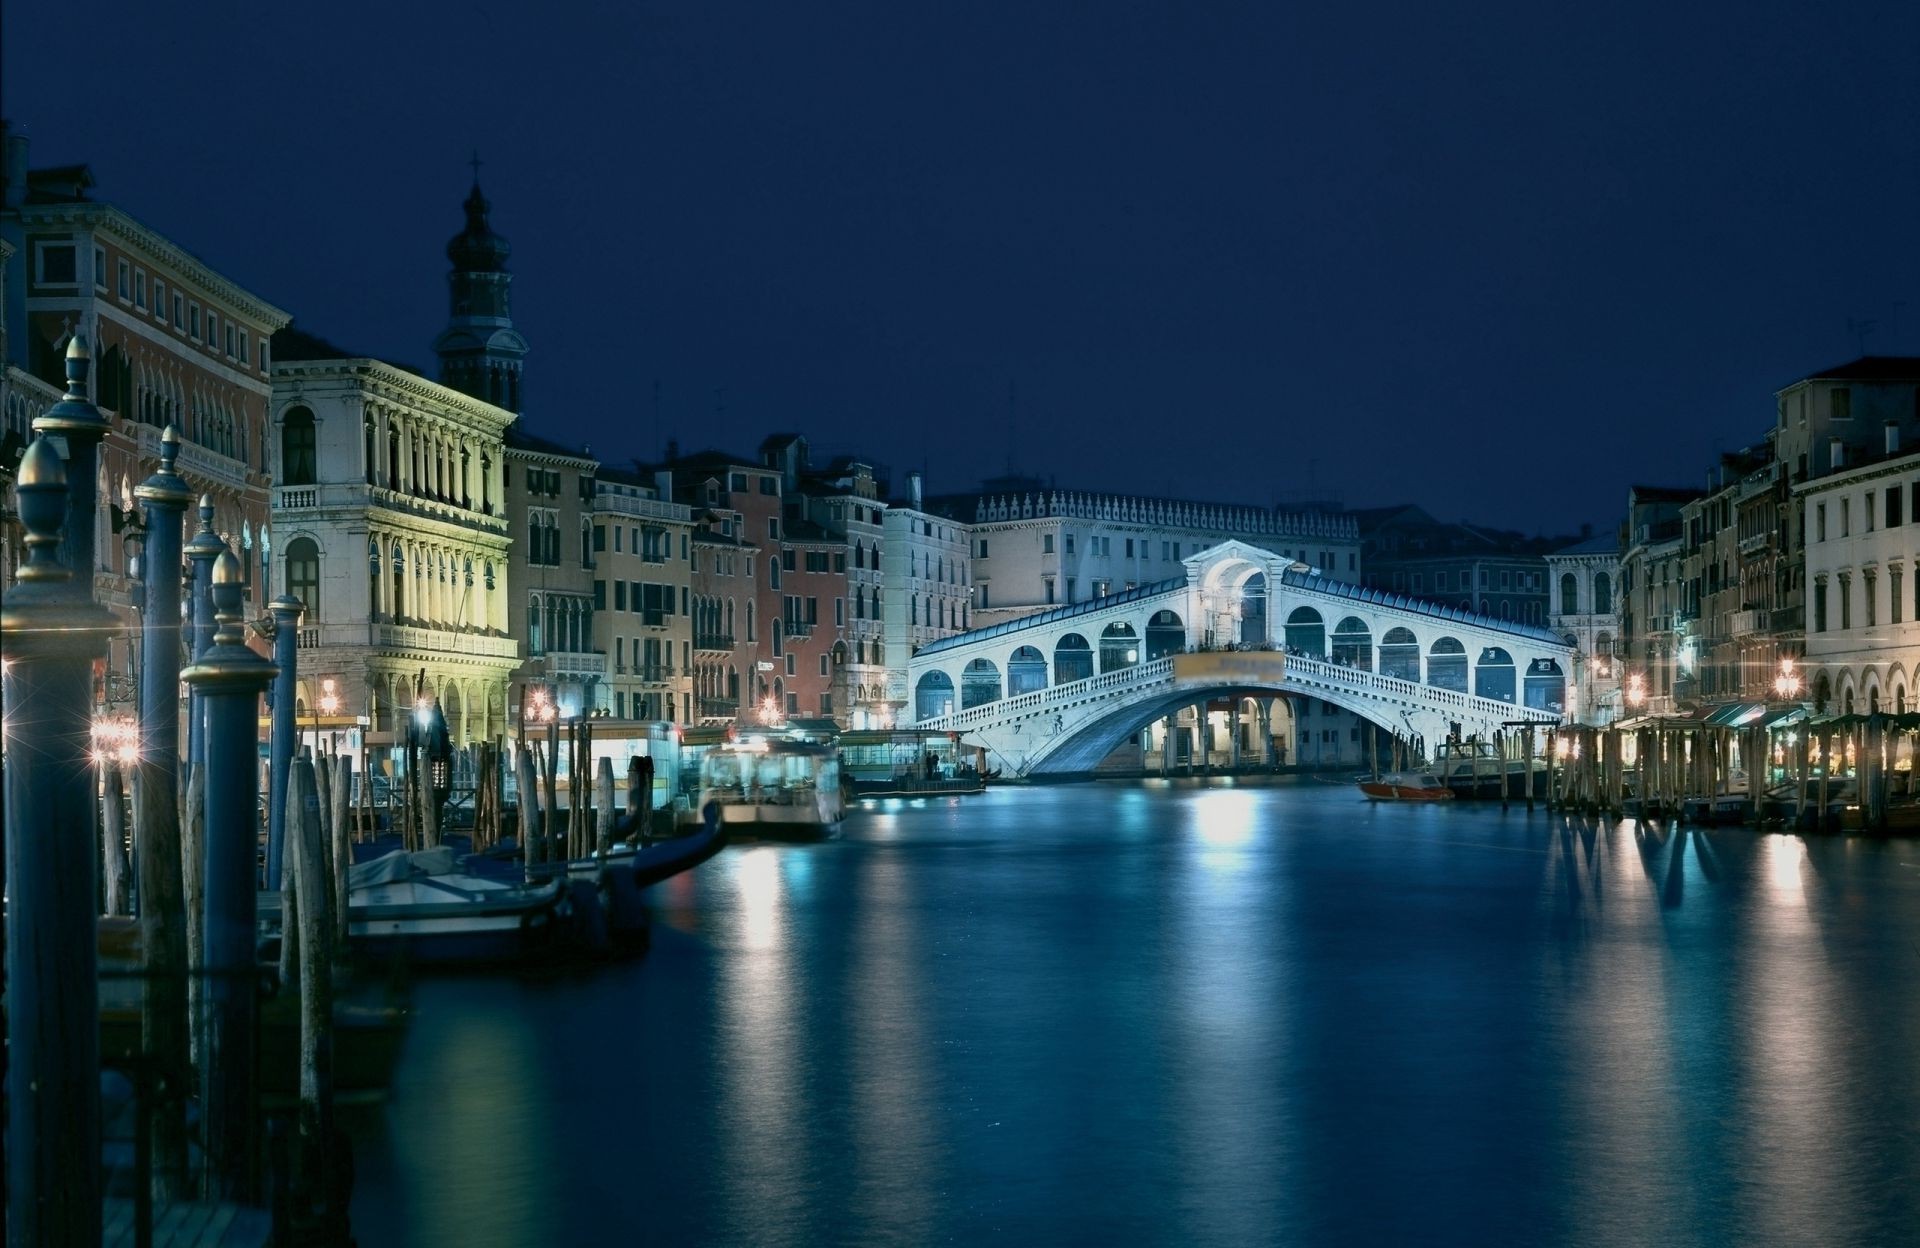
(1407, 786)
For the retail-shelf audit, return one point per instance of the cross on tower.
(475, 162)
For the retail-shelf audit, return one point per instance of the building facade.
(1583, 580)
(1036, 548)
(1863, 571)
(173, 342)
(926, 567)
(550, 492)
(1490, 571)
(642, 590)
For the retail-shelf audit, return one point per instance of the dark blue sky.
(1500, 258)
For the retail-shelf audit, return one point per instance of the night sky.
(1501, 259)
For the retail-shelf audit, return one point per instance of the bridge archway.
(1119, 646)
(1307, 632)
(1447, 664)
(1026, 671)
(1545, 688)
(1493, 675)
(933, 695)
(1166, 634)
(1072, 659)
(1253, 611)
(979, 684)
(1400, 654)
(1353, 643)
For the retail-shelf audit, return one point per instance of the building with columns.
(391, 505)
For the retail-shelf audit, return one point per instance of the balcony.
(195, 461)
(713, 641)
(654, 673)
(471, 645)
(798, 628)
(718, 708)
(1788, 620)
(351, 495)
(576, 662)
(1741, 623)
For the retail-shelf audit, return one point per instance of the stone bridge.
(1054, 693)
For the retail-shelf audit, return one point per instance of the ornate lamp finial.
(78, 357)
(42, 490)
(228, 589)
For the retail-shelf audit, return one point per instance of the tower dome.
(477, 249)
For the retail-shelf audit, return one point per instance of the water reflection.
(1196, 1014)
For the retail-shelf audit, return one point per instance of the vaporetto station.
(1057, 692)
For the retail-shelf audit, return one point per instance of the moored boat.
(774, 787)
(1406, 786)
(420, 905)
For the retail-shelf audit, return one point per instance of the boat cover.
(400, 865)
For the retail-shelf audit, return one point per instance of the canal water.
(1194, 1014)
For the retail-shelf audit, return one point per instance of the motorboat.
(1477, 769)
(774, 787)
(1406, 786)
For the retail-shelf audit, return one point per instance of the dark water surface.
(1215, 1015)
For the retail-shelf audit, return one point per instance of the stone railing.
(576, 662)
(475, 645)
(1136, 676)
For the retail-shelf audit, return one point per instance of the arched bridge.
(1054, 693)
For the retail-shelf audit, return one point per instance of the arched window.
(1119, 646)
(932, 696)
(1569, 594)
(1493, 675)
(1447, 665)
(1353, 643)
(1307, 632)
(368, 445)
(1072, 659)
(1602, 594)
(399, 562)
(1026, 671)
(1400, 654)
(979, 683)
(1166, 634)
(536, 621)
(297, 454)
(1546, 686)
(303, 574)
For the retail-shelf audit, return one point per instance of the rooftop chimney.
(1893, 437)
(913, 488)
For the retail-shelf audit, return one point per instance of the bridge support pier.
(1263, 708)
(1166, 746)
(1233, 735)
(1203, 738)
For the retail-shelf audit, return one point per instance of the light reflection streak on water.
(1608, 994)
(1226, 1049)
(762, 1138)
(892, 1095)
(1796, 1066)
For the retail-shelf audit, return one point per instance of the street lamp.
(1787, 683)
(116, 737)
(329, 705)
(1636, 690)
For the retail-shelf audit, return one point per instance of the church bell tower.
(480, 351)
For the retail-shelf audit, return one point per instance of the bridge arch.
(1166, 634)
(1493, 675)
(933, 695)
(1447, 664)
(1307, 632)
(1353, 643)
(1072, 659)
(1119, 647)
(1026, 671)
(1545, 688)
(1400, 654)
(979, 683)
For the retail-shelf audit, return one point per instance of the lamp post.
(286, 611)
(1636, 690)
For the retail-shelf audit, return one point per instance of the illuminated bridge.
(1055, 693)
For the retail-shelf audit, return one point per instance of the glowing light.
(1636, 689)
(1787, 683)
(116, 737)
